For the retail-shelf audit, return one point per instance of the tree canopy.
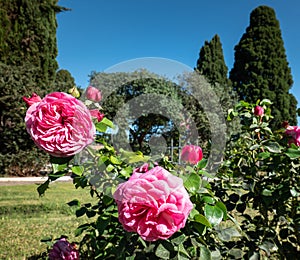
(261, 69)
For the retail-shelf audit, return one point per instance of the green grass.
(26, 218)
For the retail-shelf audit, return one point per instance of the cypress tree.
(28, 35)
(28, 64)
(261, 69)
(211, 63)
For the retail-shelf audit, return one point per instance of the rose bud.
(93, 94)
(191, 154)
(259, 111)
(74, 92)
(33, 99)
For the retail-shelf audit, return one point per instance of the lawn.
(26, 218)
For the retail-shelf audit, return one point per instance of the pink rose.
(154, 204)
(294, 132)
(259, 111)
(33, 99)
(191, 154)
(96, 113)
(60, 124)
(93, 94)
(63, 250)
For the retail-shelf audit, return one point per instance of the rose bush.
(154, 204)
(59, 124)
(160, 210)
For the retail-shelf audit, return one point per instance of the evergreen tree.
(261, 69)
(64, 80)
(28, 64)
(28, 35)
(211, 63)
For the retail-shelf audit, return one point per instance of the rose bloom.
(60, 124)
(63, 250)
(93, 94)
(154, 204)
(259, 111)
(294, 132)
(191, 154)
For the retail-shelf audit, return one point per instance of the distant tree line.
(28, 51)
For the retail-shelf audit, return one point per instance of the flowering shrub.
(160, 210)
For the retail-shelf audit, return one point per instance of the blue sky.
(97, 35)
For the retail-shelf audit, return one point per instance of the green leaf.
(202, 164)
(107, 122)
(222, 206)
(133, 157)
(263, 155)
(183, 252)
(192, 183)
(253, 147)
(267, 192)
(294, 192)
(208, 199)
(162, 252)
(74, 203)
(78, 170)
(101, 127)
(43, 187)
(115, 160)
(204, 253)
(202, 219)
(80, 212)
(214, 214)
(273, 147)
(178, 240)
(266, 102)
(81, 229)
(227, 234)
(293, 153)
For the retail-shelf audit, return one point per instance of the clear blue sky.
(98, 34)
